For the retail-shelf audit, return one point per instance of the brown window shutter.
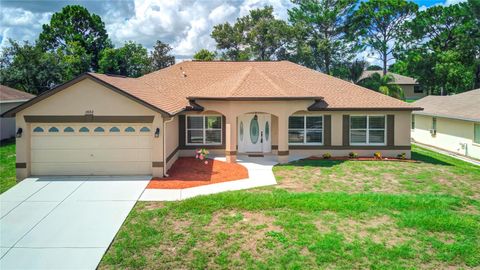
(224, 132)
(390, 130)
(346, 130)
(327, 130)
(181, 131)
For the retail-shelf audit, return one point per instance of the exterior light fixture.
(255, 117)
(157, 132)
(19, 133)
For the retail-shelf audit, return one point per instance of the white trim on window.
(368, 129)
(305, 129)
(204, 129)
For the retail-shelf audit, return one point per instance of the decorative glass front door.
(254, 133)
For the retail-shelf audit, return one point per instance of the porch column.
(283, 151)
(231, 138)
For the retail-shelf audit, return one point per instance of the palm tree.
(355, 70)
(384, 84)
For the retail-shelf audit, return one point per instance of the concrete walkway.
(448, 153)
(64, 222)
(259, 171)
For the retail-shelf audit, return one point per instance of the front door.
(254, 133)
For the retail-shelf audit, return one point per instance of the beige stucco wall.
(283, 109)
(171, 140)
(76, 100)
(451, 134)
(410, 93)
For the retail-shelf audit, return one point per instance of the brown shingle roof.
(171, 89)
(465, 106)
(10, 94)
(399, 79)
(232, 80)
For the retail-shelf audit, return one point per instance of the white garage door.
(91, 149)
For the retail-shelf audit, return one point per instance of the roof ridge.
(246, 71)
(262, 73)
(290, 82)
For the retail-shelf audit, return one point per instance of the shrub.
(327, 155)
(377, 155)
(353, 155)
(402, 156)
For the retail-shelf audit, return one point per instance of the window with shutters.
(204, 130)
(368, 130)
(305, 129)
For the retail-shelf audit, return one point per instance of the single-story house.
(410, 86)
(451, 123)
(102, 124)
(10, 98)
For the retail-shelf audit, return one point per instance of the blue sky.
(184, 24)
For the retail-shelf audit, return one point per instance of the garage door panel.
(108, 153)
(90, 155)
(101, 168)
(80, 142)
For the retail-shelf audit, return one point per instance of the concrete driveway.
(64, 222)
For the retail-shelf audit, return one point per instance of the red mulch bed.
(190, 172)
(363, 159)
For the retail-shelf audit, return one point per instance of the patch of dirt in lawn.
(248, 229)
(380, 229)
(293, 180)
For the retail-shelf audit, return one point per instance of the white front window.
(367, 129)
(205, 129)
(305, 129)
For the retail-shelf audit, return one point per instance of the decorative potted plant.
(202, 154)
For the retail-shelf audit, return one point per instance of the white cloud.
(185, 24)
(20, 24)
(453, 2)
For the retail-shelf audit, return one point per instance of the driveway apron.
(64, 222)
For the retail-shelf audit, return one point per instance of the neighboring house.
(410, 86)
(111, 125)
(10, 98)
(449, 122)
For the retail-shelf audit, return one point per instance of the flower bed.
(363, 159)
(191, 172)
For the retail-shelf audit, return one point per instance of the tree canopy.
(161, 57)
(75, 25)
(258, 36)
(439, 46)
(378, 23)
(129, 60)
(204, 55)
(321, 28)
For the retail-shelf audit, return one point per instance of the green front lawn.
(7, 165)
(323, 214)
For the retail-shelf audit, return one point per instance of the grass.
(7, 165)
(323, 214)
(434, 174)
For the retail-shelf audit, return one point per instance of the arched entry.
(254, 133)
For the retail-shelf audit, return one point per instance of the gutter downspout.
(164, 145)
